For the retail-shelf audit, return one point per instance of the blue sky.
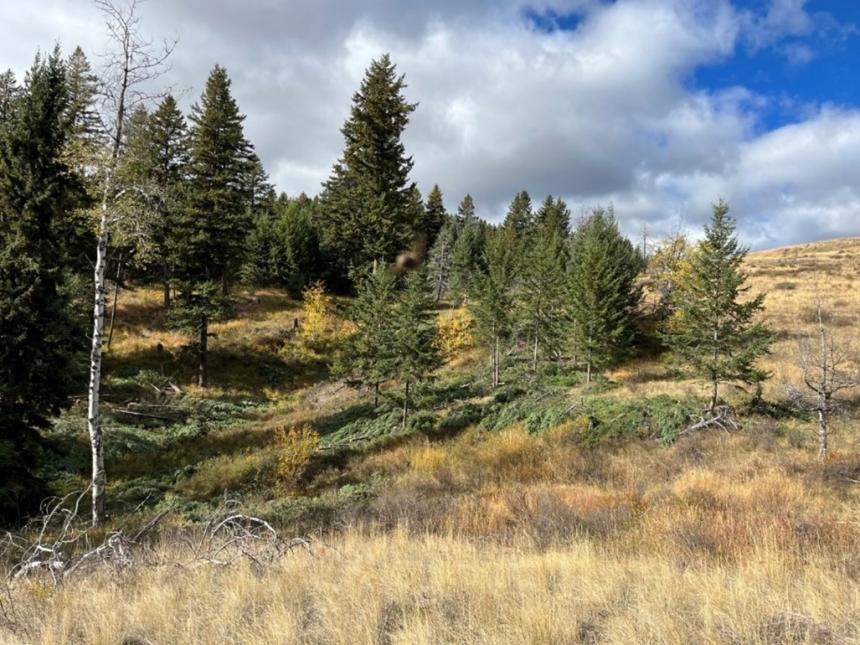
(658, 107)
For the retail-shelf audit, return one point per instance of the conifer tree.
(38, 338)
(542, 301)
(603, 290)
(368, 211)
(8, 90)
(87, 130)
(368, 356)
(467, 256)
(553, 217)
(466, 210)
(491, 296)
(714, 328)
(434, 216)
(156, 163)
(519, 218)
(440, 259)
(414, 330)
(216, 213)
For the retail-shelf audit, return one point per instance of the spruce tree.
(492, 294)
(434, 216)
(368, 356)
(519, 218)
(467, 256)
(603, 291)
(440, 259)
(216, 212)
(156, 161)
(543, 298)
(414, 330)
(38, 337)
(553, 218)
(87, 129)
(368, 211)
(466, 210)
(714, 328)
(8, 90)
(211, 227)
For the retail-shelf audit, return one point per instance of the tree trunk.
(822, 433)
(406, 405)
(588, 362)
(376, 394)
(114, 303)
(714, 375)
(714, 394)
(495, 362)
(99, 478)
(225, 285)
(165, 276)
(202, 366)
(534, 355)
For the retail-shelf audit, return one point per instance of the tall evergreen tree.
(434, 216)
(367, 207)
(467, 256)
(466, 210)
(553, 217)
(603, 291)
(216, 213)
(369, 353)
(8, 90)
(87, 130)
(211, 228)
(714, 329)
(37, 336)
(413, 333)
(440, 259)
(542, 301)
(492, 294)
(519, 218)
(156, 163)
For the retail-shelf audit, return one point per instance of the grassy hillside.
(547, 512)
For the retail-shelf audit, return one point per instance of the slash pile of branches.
(722, 416)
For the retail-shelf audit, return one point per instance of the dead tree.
(130, 65)
(828, 367)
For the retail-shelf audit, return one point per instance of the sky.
(658, 107)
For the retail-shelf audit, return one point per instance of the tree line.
(141, 192)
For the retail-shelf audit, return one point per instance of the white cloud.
(600, 113)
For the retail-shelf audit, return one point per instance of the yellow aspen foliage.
(454, 332)
(295, 448)
(322, 326)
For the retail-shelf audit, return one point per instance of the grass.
(548, 512)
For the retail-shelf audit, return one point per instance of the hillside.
(550, 511)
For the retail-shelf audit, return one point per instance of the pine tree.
(38, 338)
(491, 296)
(367, 207)
(714, 329)
(519, 218)
(542, 301)
(216, 213)
(553, 217)
(434, 216)
(440, 259)
(8, 90)
(467, 256)
(603, 291)
(155, 162)
(211, 228)
(414, 330)
(466, 210)
(368, 356)
(87, 130)
(258, 191)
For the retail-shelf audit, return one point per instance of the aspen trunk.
(534, 356)
(822, 433)
(114, 304)
(99, 478)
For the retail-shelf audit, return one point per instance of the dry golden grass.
(512, 538)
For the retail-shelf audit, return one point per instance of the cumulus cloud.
(599, 111)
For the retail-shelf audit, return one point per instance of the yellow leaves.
(454, 332)
(322, 326)
(295, 448)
